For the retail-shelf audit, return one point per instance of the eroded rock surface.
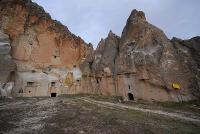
(7, 66)
(141, 64)
(188, 53)
(38, 46)
(36, 39)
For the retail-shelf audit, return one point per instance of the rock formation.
(188, 53)
(7, 66)
(43, 49)
(141, 64)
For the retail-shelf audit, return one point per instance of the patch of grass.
(154, 123)
(106, 98)
(73, 95)
(145, 122)
(191, 106)
(74, 115)
(179, 104)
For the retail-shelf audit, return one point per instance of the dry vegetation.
(70, 114)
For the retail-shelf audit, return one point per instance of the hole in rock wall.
(53, 84)
(21, 91)
(97, 81)
(12, 76)
(30, 84)
(53, 94)
(129, 87)
(130, 96)
(55, 57)
(33, 71)
(74, 66)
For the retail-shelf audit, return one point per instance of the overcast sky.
(93, 19)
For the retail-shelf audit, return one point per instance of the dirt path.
(122, 106)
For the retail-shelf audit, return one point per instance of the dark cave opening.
(130, 96)
(53, 94)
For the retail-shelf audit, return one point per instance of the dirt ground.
(94, 115)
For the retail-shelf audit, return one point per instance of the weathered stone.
(141, 64)
(6, 91)
(104, 58)
(188, 53)
(37, 39)
(39, 43)
(7, 66)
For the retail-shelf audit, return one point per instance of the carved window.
(53, 84)
(30, 84)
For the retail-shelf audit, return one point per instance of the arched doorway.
(130, 96)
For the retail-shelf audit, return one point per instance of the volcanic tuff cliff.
(141, 64)
(42, 48)
(145, 63)
(38, 40)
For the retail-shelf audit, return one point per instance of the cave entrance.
(130, 96)
(12, 76)
(53, 94)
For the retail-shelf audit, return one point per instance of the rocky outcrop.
(105, 54)
(146, 51)
(38, 46)
(154, 59)
(141, 64)
(36, 39)
(188, 53)
(7, 65)
(101, 67)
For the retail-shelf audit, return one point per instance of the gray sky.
(93, 19)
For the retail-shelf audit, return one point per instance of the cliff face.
(141, 64)
(152, 56)
(7, 65)
(36, 39)
(42, 48)
(188, 53)
(104, 60)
